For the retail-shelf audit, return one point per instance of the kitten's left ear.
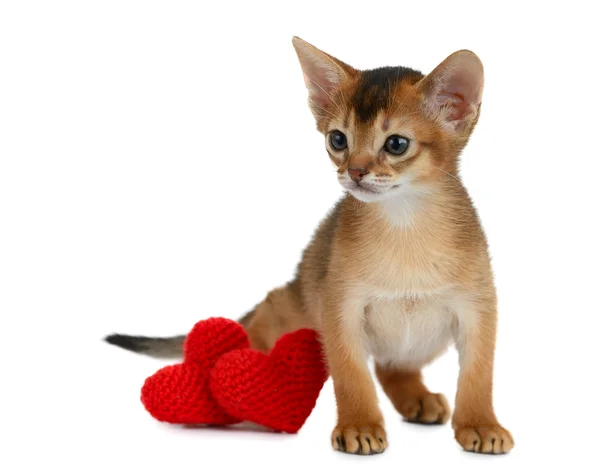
(323, 75)
(453, 90)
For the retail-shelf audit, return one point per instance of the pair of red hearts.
(221, 381)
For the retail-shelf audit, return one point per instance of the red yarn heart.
(179, 393)
(279, 390)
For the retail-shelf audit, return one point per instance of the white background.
(159, 165)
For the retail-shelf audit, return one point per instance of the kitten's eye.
(396, 145)
(338, 140)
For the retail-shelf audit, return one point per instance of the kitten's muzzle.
(357, 173)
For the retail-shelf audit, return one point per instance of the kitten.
(399, 269)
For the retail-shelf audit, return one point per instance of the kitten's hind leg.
(279, 313)
(410, 396)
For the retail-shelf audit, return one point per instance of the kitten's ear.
(323, 74)
(453, 90)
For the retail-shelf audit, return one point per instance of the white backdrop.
(159, 165)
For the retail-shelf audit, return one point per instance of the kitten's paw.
(485, 439)
(432, 408)
(360, 440)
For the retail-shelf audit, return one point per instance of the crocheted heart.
(179, 393)
(277, 390)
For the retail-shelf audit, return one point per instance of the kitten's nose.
(357, 173)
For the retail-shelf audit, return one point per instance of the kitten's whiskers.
(446, 172)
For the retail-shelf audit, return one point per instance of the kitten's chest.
(406, 259)
(406, 266)
(408, 330)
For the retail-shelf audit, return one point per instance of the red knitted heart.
(179, 393)
(278, 391)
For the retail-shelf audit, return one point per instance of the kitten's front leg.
(360, 427)
(474, 421)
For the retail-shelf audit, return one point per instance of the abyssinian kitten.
(399, 269)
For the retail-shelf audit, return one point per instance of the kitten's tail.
(158, 347)
(162, 348)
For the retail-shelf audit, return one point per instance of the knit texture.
(179, 393)
(277, 390)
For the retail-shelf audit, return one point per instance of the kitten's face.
(391, 130)
(375, 136)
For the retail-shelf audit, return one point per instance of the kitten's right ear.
(323, 74)
(453, 90)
